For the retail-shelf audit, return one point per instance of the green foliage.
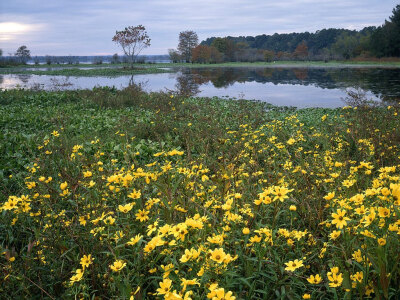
(385, 41)
(315, 42)
(349, 46)
(138, 181)
(325, 44)
(26, 117)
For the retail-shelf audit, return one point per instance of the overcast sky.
(86, 27)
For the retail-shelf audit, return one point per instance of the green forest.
(326, 44)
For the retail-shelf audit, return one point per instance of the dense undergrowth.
(122, 194)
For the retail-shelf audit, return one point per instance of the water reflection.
(301, 74)
(11, 81)
(24, 78)
(383, 83)
(59, 84)
(301, 87)
(187, 85)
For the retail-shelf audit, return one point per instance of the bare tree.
(188, 40)
(132, 41)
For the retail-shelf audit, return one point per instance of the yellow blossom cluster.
(288, 207)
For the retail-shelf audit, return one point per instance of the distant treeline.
(70, 59)
(326, 44)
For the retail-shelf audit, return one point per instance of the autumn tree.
(206, 54)
(188, 40)
(301, 51)
(132, 41)
(201, 54)
(23, 54)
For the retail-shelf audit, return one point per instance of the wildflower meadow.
(112, 194)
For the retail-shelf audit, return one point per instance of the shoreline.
(117, 70)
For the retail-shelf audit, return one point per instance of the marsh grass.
(81, 71)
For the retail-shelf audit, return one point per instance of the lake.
(300, 87)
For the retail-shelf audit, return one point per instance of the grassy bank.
(294, 64)
(118, 69)
(96, 71)
(124, 194)
(238, 64)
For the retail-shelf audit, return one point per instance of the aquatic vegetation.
(289, 203)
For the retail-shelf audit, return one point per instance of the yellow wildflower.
(118, 265)
(293, 265)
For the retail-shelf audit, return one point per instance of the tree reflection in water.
(58, 84)
(24, 77)
(383, 83)
(187, 84)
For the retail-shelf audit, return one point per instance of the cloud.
(13, 30)
(86, 27)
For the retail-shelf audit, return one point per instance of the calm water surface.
(301, 87)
